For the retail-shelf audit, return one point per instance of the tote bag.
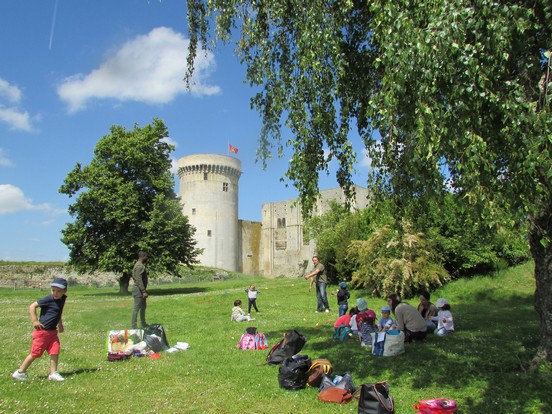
(375, 399)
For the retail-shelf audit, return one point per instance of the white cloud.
(9, 92)
(4, 160)
(12, 200)
(10, 113)
(149, 68)
(365, 159)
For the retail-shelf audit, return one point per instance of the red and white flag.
(232, 148)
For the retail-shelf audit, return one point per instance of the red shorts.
(45, 341)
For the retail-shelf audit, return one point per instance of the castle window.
(208, 233)
(193, 211)
(281, 223)
(205, 176)
(225, 187)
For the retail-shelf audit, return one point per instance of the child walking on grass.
(238, 314)
(252, 293)
(45, 334)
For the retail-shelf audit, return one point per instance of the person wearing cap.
(428, 310)
(139, 292)
(409, 320)
(366, 322)
(386, 322)
(319, 276)
(45, 333)
(445, 322)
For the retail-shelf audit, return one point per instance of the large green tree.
(125, 202)
(458, 89)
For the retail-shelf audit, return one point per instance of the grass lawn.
(482, 366)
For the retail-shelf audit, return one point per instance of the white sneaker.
(20, 376)
(327, 311)
(55, 377)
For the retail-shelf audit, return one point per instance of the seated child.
(344, 320)
(445, 323)
(386, 322)
(238, 314)
(367, 326)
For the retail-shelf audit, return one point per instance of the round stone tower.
(209, 197)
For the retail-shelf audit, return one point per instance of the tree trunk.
(124, 281)
(540, 242)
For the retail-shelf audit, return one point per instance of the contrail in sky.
(53, 24)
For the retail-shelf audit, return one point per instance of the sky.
(71, 69)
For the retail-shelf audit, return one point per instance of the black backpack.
(292, 374)
(291, 344)
(155, 338)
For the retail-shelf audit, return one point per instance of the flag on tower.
(232, 148)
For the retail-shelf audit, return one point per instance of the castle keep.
(273, 247)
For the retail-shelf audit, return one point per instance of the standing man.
(321, 280)
(139, 291)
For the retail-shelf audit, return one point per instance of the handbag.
(375, 399)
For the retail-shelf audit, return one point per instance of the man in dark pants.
(139, 292)
(321, 280)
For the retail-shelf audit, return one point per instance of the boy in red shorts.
(45, 334)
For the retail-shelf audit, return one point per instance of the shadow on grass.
(153, 292)
(487, 357)
(79, 371)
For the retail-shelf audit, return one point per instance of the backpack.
(315, 373)
(260, 341)
(291, 344)
(247, 341)
(155, 338)
(343, 333)
(292, 374)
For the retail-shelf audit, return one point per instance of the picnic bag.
(247, 341)
(389, 343)
(155, 337)
(318, 368)
(120, 344)
(339, 389)
(436, 406)
(375, 399)
(292, 374)
(335, 394)
(291, 344)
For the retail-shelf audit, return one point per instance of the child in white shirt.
(445, 322)
(252, 293)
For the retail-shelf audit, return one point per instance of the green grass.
(481, 366)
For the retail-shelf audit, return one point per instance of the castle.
(273, 247)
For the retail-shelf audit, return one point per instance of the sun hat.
(59, 282)
(441, 302)
(362, 304)
(385, 309)
(343, 285)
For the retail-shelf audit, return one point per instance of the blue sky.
(69, 70)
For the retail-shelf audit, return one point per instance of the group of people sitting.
(415, 323)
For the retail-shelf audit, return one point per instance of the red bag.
(436, 406)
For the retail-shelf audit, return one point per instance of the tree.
(124, 203)
(457, 89)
